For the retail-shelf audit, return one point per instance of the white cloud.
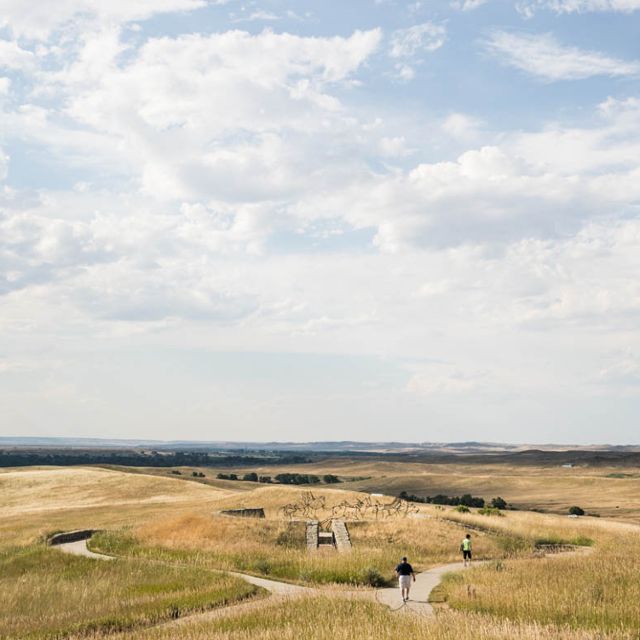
(4, 165)
(543, 56)
(201, 116)
(36, 20)
(468, 5)
(405, 72)
(394, 147)
(259, 16)
(12, 56)
(421, 38)
(579, 6)
(611, 147)
(462, 126)
(238, 192)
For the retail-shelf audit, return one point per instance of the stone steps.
(341, 535)
(338, 538)
(312, 535)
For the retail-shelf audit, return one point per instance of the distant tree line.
(134, 458)
(466, 500)
(282, 478)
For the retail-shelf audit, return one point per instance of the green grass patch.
(359, 568)
(47, 594)
(559, 541)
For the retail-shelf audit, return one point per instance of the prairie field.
(173, 546)
(48, 594)
(34, 502)
(612, 492)
(329, 618)
(277, 549)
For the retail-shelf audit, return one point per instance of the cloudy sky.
(296, 220)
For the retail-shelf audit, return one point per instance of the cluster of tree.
(466, 500)
(140, 458)
(576, 511)
(198, 474)
(282, 478)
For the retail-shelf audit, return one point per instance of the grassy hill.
(172, 542)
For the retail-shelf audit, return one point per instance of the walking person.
(405, 572)
(465, 547)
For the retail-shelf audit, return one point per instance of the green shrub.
(372, 577)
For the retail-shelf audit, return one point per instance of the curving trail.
(419, 604)
(79, 548)
(420, 590)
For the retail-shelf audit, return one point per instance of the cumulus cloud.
(200, 116)
(236, 191)
(543, 56)
(37, 20)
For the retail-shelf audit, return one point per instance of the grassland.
(277, 549)
(608, 491)
(48, 594)
(598, 590)
(327, 618)
(34, 502)
(516, 596)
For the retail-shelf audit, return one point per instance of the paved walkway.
(79, 548)
(421, 589)
(279, 588)
(419, 597)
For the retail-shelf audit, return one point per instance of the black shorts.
(466, 554)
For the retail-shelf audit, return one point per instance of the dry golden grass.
(551, 488)
(277, 549)
(598, 590)
(327, 618)
(175, 521)
(48, 594)
(37, 501)
(542, 528)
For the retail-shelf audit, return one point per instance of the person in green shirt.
(465, 547)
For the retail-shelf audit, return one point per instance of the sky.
(292, 220)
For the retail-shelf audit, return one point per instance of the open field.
(34, 502)
(45, 593)
(173, 539)
(598, 590)
(612, 492)
(277, 549)
(330, 618)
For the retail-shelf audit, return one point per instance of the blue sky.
(373, 220)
